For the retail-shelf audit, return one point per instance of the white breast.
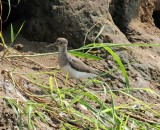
(72, 73)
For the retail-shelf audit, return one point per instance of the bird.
(72, 66)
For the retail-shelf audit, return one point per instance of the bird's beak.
(51, 45)
(55, 44)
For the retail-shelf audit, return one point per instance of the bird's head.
(61, 42)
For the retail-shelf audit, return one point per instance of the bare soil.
(143, 71)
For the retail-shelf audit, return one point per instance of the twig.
(88, 32)
(35, 55)
(140, 118)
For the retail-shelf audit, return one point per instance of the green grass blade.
(51, 85)
(16, 108)
(60, 95)
(2, 39)
(20, 29)
(84, 55)
(90, 119)
(42, 116)
(13, 105)
(112, 101)
(126, 121)
(122, 68)
(134, 44)
(101, 45)
(12, 34)
(29, 112)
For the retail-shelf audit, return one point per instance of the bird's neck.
(62, 50)
(62, 56)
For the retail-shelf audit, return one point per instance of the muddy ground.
(143, 70)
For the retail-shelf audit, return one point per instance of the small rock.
(62, 114)
(18, 47)
(82, 107)
(16, 128)
(110, 64)
(120, 85)
(124, 58)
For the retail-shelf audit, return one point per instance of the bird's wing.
(78, 65)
